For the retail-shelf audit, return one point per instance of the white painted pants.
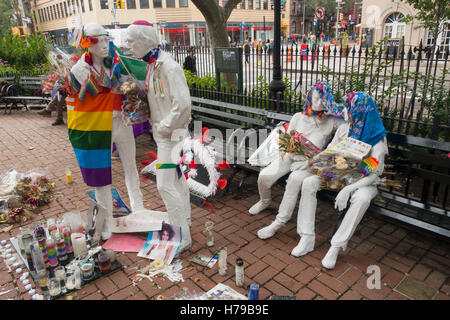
(359, 203)
(270, 175)
(174, 192)
(290, 196)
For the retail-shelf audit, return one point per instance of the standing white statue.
(364, 125)
(317, 123)
(95, 123)
(170, 107)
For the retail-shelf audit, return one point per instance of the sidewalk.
(413, 264)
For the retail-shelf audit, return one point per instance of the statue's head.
(316, 101)
(97, 38)
(141, 37)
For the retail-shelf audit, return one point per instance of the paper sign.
(124, 242)
(119, 207)
(145, 221)
(205, 260)
(163, 244)
(223, 292)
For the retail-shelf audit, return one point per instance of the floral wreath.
(194, 147)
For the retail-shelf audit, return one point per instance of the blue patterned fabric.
(365, 121)
(332, 108)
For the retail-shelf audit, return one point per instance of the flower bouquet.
(135, 107)
(296, 143)
(343, 164)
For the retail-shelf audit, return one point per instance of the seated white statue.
(364, 125)
(320, 119)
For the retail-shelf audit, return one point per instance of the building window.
(183, 3)
(90, 5)
(170, 3)
(394, 25)
(65, 9)
(131, 4)
(51, 13)
(258, 4)
(293, 27)
(82, 5)
(59, 12)
(104, 4)
(266, 4)
(243, 4)
(250, 4)
(157, 3)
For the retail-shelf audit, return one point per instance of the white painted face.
(141, 39)
(316, 101)
(101, 48)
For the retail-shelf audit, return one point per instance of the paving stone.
(416, 289)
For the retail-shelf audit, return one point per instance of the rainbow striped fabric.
(90, 123)
(368, 165)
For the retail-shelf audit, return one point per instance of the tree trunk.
(216, 18)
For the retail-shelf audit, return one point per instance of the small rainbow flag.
(368, 165)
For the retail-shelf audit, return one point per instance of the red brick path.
(397, 250)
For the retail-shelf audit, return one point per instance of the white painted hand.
(341, 200)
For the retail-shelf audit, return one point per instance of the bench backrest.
(423, 165)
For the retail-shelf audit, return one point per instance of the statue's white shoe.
(270, 230)
(329, 261)
(259, 206)
(305, 245)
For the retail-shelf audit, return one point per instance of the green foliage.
(7, 19)
(25, 54)
(432, 14)
(206, 82)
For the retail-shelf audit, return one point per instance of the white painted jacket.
(170, 106)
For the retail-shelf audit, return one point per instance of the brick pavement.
(28, 141)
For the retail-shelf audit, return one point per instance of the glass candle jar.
(54, 287)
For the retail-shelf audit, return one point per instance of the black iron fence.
(411, 86)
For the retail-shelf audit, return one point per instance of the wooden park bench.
(23, 91)
(414, 159)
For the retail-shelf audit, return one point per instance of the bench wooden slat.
(232, 106)
(229, 115)
(220, 123)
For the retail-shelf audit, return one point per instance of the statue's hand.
(81, 70)
(341, 200)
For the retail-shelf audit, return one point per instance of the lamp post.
(276, 85)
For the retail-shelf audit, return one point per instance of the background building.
(385, 18)
(178, 21)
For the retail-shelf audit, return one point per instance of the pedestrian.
(304, 39)
(190, 63)
(56, 104)
(259, 49)
(246, 51)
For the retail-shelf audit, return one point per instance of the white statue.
(364, 125)
(92, 133)
(320, 119)
(170, 107)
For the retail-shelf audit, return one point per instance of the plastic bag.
(8, 182)
(74, 221)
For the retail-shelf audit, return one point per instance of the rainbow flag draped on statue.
(89, 125)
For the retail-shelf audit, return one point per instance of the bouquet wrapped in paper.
(296, 143)
(343, 164)
(61, 64)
